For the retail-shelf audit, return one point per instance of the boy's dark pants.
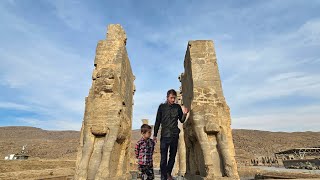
(166, 143)
(146, 170)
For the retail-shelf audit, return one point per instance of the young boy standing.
(144, 152)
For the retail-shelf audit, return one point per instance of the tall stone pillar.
(104, 150)
(209, 146)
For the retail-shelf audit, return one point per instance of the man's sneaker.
(170, 177)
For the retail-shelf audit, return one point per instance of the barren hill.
(40, 143)
(46, 144)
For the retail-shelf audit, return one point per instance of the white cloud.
(52, 80)
(286, 119)
(277, 88)
(310, 33)
(146, 106)
(275, 71)
(256, 62)
(278, 72)
(75, 14)
(11, 105)
(32, 121)
(52, 124)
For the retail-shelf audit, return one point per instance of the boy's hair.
(145, 128)
(171, 91)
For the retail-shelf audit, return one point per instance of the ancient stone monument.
(208, 139)
(106, 129)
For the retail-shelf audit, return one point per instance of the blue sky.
(268, 56)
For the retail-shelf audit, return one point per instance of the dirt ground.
(35, 169)
(59, 169)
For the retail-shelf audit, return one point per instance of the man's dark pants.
(166, 143)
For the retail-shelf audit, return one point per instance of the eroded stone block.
(207, 131)
(104, 150)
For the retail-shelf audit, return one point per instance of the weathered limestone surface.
(105, 134)
(208, 139)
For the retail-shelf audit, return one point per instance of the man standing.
(167, 116)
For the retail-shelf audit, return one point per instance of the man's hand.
(185, 110)
(155, 139)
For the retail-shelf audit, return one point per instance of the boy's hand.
(185, 110)
(155, 139)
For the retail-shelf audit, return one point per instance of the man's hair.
(171, 91)
(145, 128)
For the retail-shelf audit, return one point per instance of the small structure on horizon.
(19, 156)
(300, 158)
(145, 121)
(299, 153)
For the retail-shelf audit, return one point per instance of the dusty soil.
(35, 169)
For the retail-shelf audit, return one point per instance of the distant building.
(300, 158)
(19, 156)
(16, 157)
(299, 153)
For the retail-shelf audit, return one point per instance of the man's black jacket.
(168, 116)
